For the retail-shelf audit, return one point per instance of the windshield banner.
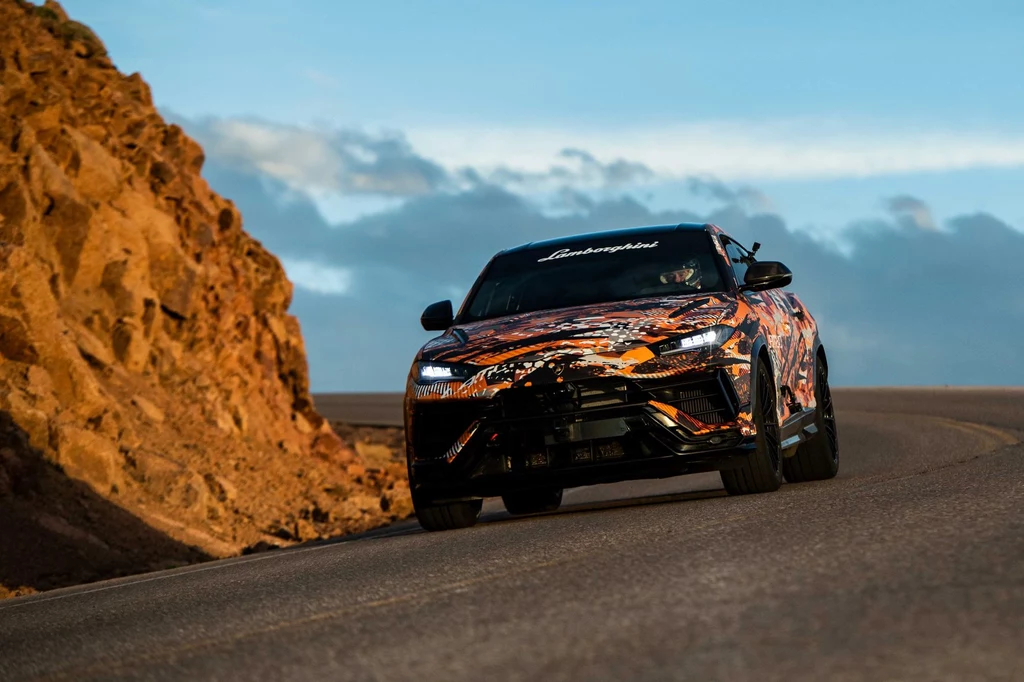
(566, 253)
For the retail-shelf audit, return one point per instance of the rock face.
(147, 360)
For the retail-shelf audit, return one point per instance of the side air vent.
(709, 399)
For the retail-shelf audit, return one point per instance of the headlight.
(702, 339)
(434, 372)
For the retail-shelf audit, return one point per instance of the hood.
(609, 334)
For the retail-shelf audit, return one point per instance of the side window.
(736, 255)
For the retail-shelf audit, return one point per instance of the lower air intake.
(708, 399)
(436, 427)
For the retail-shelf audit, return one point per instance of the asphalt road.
(909, 566)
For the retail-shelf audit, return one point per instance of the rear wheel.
(762, 470)
(818, 458)
(447, 515)
(533, 501)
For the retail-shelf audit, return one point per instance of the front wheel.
(761, 472)
(447, 515)
(818, 458)
(533, 501)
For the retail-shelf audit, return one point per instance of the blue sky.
(829, 116)
(903, 64)
(942, 78)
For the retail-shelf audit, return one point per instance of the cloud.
(750, 199)
(352, 172)
(614, 174)
(731, 151)
(343, 161)
(910, 211)
(897, 306)
(572, 168)
(353, 162)
(572, 201)
(316, 277)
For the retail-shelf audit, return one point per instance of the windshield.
(596, 271)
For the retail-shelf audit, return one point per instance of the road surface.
(909, 565)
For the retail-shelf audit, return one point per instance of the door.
(775, 313)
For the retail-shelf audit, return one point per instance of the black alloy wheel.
(761, 472)
(818, 458)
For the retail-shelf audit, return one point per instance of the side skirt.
(797, 429)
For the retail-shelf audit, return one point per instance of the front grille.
(602, 395)
(437, 425)
(709, 399)
(524, 419)
(555, 399)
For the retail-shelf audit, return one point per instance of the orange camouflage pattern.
(617, 339)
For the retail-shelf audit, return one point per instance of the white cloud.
(291, 155)
(352, 173)
(346, 161)
(317, 277)
(729, 151)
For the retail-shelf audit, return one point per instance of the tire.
(762, 470)
(447, 515)
(818, 458)
(533, 501)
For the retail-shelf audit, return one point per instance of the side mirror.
(769, 274)
(438, 316)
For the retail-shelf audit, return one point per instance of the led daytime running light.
(705, 339)
(433, 372)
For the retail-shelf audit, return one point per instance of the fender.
(819, 348)
(759, 344)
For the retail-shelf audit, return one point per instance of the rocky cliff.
(154, 402)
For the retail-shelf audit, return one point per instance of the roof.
(625, 233)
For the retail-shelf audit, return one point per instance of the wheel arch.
(819, 356)
(819, 352)
(759, 353)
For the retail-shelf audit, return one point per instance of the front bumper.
(571, 435)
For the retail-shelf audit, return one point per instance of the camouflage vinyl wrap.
(619, 340)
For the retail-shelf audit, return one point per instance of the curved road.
(909, 565)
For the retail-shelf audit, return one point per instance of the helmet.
(688, 274)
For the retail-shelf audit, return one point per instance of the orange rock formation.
(153, 388)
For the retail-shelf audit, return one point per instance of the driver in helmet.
(688, 274)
